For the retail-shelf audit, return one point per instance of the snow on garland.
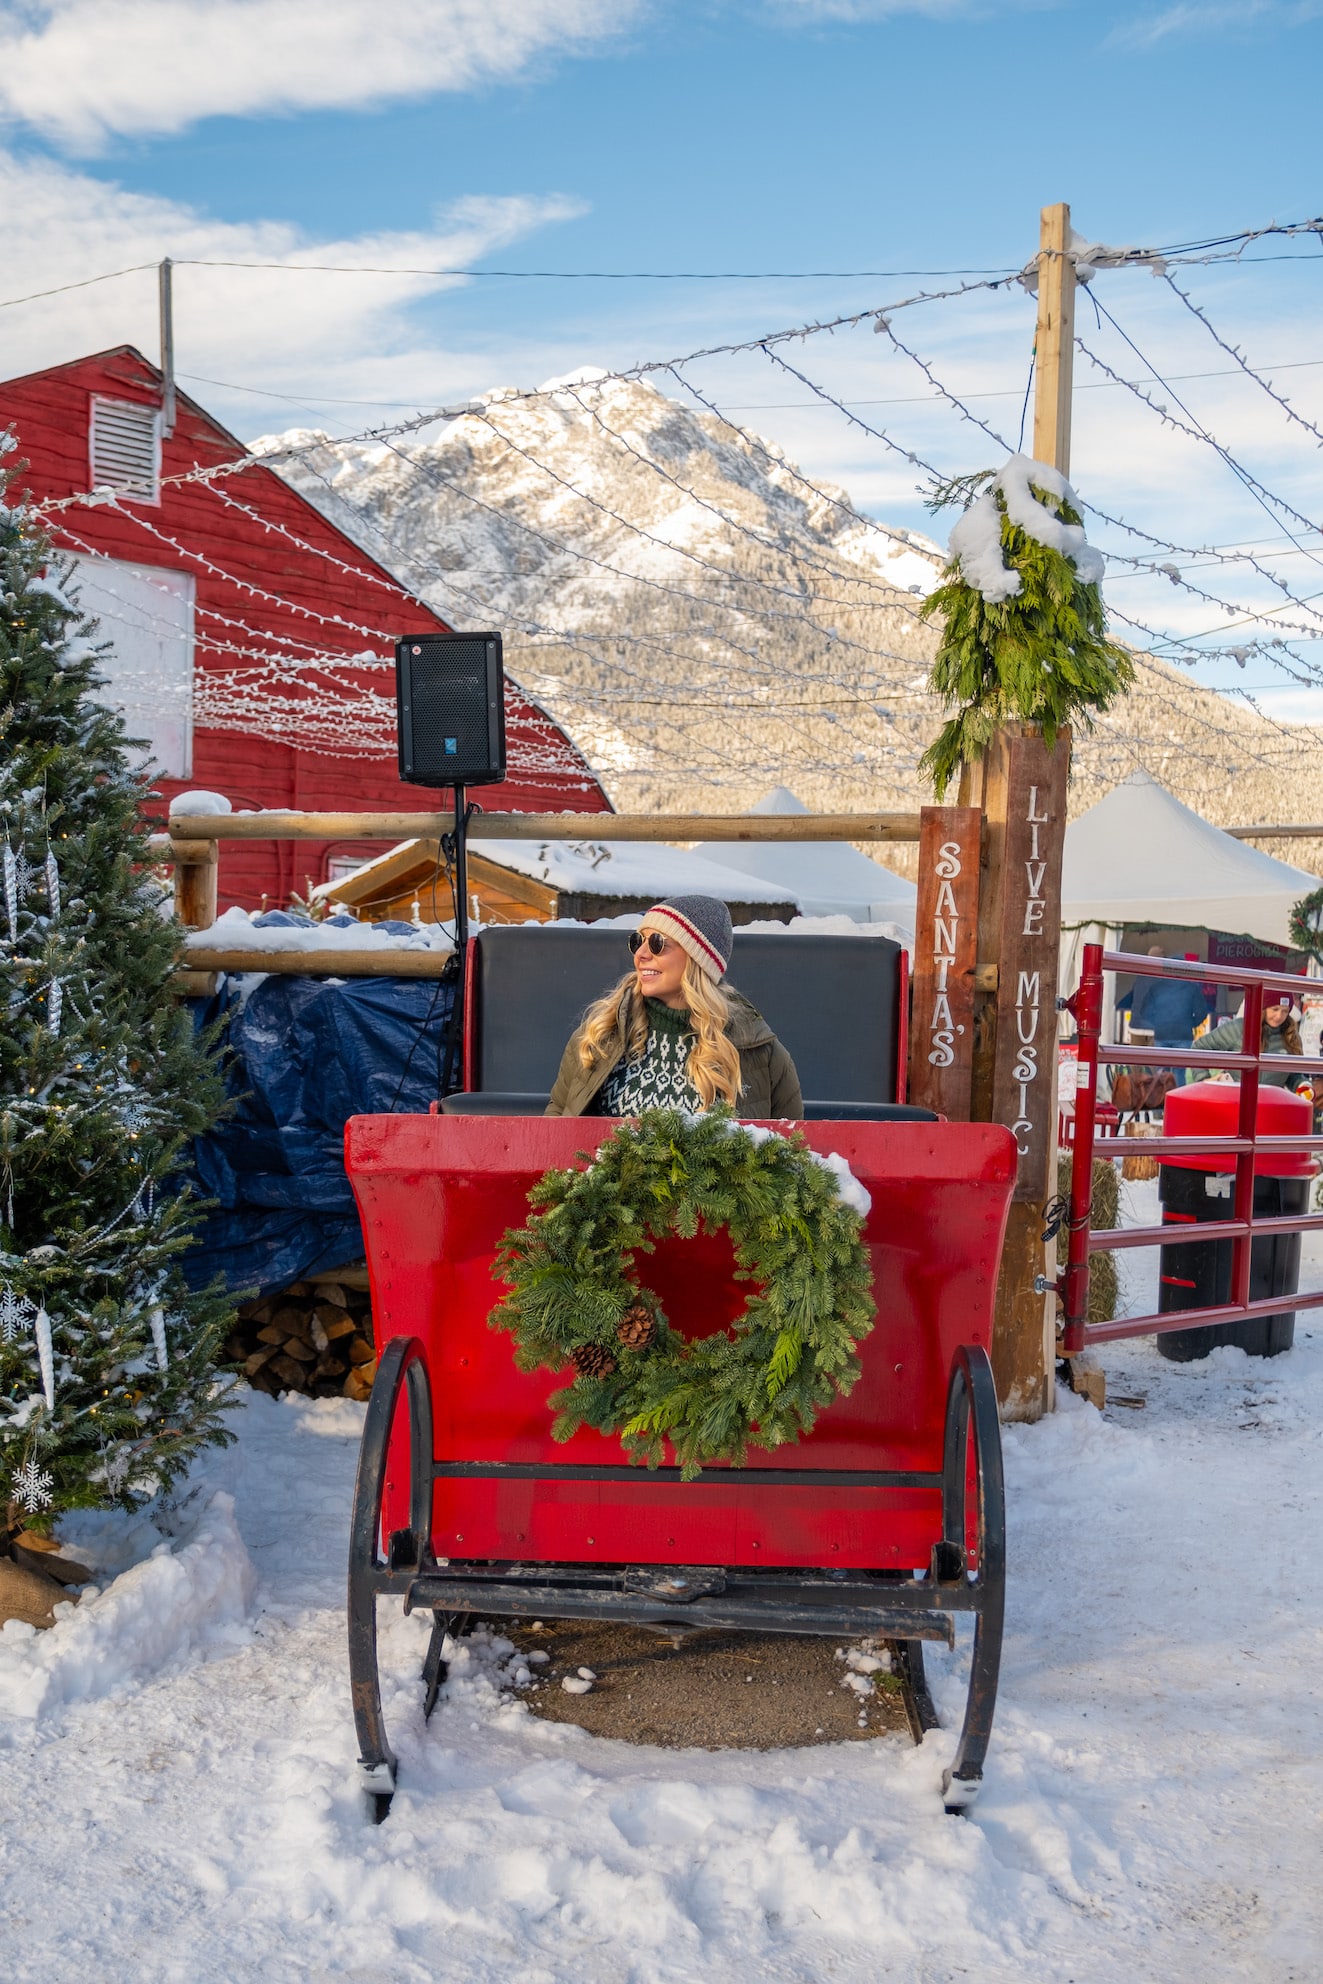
(1024, 633)
(575, 1296)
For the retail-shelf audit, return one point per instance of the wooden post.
(197, 874)
(945, 943)
(1055, 343)
(1022, 790)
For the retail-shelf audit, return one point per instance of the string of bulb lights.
(280, 673)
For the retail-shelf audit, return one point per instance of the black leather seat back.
(833, 1002)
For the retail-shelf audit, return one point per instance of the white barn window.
(147, 612)
(124, 449)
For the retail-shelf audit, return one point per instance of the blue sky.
(740, 135)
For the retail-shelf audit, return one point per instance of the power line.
(62, 289)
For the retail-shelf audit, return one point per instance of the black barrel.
(1199, 1274)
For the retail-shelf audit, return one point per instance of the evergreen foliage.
(573, 1283)
(107, 1386)
(1305, 927)
(1041, 656)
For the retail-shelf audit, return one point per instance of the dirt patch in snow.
(716, 1691)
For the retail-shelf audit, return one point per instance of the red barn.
(253, 640)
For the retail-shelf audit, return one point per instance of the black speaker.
(450, 702)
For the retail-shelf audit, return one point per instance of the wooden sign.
(945, 944)
(1025, 1065)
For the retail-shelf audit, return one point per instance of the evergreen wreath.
(1025, 633)
(1305, 927)
(576, 1298)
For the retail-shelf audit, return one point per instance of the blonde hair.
(714, 1062)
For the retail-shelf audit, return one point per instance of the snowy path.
(176, 1760)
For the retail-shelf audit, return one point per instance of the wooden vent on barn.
(125, 448)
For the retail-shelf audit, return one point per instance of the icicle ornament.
(11, 892)
(54, 1007)
(45, 1356)
(52, 885)
(158, 1338)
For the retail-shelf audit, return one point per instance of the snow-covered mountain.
(706, 621)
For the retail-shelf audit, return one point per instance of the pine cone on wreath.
(592, 1360)
(637, 1328)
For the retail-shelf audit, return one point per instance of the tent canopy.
(830, 878)
(1140, 856)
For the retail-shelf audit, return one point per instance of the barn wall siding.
(49, 413)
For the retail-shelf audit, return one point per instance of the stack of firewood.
(314, 1337)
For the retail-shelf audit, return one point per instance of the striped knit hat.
(700, 925)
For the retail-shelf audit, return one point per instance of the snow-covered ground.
(176, 1757)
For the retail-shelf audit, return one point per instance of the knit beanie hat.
(700, 925)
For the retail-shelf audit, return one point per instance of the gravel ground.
(715, 1691)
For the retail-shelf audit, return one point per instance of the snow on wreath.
(1024, 632)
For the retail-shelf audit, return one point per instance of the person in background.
(1279, 1034)
(1171, 1008)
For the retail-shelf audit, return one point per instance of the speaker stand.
(456, 844)
(461, 876)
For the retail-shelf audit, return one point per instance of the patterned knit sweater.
(658, 1079)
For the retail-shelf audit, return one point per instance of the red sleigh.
(887, 1520)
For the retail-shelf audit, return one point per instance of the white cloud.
(82, 71)
(257, 326)
(1209, 17)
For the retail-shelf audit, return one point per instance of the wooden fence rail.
(546, 826)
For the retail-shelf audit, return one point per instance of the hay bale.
(1104, 1214)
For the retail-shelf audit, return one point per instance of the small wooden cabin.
(543, 881)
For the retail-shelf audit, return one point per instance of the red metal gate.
(1244, 1147)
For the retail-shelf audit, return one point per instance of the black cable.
(447, 973)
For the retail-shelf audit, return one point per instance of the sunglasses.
(654, 940)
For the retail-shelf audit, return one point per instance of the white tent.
(830, 878)
(1140, 856)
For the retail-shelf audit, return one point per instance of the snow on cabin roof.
(591, 867)
(627, 868)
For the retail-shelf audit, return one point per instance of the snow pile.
(976, 539)
(1150, 1807)
(200, 804)
(178, 1600)
(275, 930)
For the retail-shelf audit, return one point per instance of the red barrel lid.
(1212, 1109)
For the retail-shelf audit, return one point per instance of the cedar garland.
(575, 1297)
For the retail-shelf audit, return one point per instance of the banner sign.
(945, 945)
(1024, 1073)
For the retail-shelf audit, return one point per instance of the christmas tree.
(107, 1385)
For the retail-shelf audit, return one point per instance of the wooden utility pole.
(1055, 342)
(1021, 787)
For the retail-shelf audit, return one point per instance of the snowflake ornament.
(24, 875)
(16, 1313)
(33, 1487)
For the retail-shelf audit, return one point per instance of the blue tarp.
(305, 1054)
